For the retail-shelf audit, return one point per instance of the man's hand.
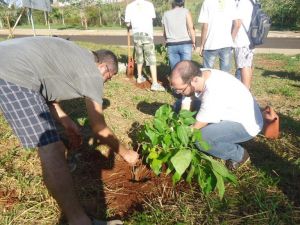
(201, 50)
(130, 156)
(73, 134)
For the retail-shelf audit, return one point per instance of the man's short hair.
(187, 69)
(179, 3)
(108, 57)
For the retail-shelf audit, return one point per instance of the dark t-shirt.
(57, 68)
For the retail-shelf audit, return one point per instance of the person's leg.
(223, 139)
(58, 180)
(246, 75)
(244, 60)
(139, 58)
(209, 57)
(225, 55)
(29, 116)
(150, 58)
(174, 57)
(186, 52)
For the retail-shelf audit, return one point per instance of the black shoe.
(232, 165)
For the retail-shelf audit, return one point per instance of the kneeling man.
(228, 114)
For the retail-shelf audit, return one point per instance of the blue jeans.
(178, 53)
(225, 54)
(223, 138)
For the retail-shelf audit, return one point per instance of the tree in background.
(284, 13)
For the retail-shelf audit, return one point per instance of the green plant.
(169, 140)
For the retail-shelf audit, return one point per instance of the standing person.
(219, 27)
(243, 53)
(179, 33)
(35, 74)
(227, 116)
(139, 16)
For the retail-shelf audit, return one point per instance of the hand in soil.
(131, 157)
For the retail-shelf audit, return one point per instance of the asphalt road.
(274, 42)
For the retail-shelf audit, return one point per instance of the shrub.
(169, 140)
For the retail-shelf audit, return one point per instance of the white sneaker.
(157, 87)
(140, 79)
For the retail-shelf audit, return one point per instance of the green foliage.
(169, 140)
(284, 13)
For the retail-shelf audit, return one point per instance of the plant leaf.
(220, 184)
(186, 113)
(156, 166)
(190, 174)
(159, 125)
(181, 160)
(176, 177)
(223, 171)
(182, 135)
(152, 136)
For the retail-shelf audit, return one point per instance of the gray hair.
(107, 57)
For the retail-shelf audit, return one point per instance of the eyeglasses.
(109, 72)
(180, 91)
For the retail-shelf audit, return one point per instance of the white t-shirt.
(225, 98)
(244, 9)
(140, 14)
(219, 15)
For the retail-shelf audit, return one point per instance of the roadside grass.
(268, 191)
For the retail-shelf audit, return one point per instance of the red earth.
(109, 184)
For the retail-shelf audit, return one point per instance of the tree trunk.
(63, 17)
(100, 17)
(85, 22)
(120, 19)
(1, 24)
(45, 16)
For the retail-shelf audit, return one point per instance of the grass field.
(268, 191)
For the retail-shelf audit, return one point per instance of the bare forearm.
(203, 34)
(235, 28)
(199, 125)
(107, 137)
(58, 113)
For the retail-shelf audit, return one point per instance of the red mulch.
(110, 184)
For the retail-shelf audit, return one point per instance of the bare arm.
(191, 29)
(164, 32)
(71, 129)
(235, 28)
(106, 136)
(204, 30)
(199, 125)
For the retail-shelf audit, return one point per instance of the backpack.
(259, 26)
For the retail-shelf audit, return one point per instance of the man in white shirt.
(243, 52)
(219, 27)
(139, 15)
(228, 114)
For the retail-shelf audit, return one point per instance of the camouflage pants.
(144, 47)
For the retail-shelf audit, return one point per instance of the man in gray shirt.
(35, 74)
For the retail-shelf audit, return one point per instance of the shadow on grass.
(281, 74)
(87, 178)
(266, 155)
(149, 108)
(282, 171)
(289, 125)
(89, 162)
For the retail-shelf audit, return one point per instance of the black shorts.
(28, 114)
